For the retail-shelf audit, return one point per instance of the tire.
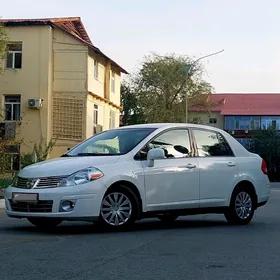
(168, 218)
(242, 199)
(44, 223)
(119, 208)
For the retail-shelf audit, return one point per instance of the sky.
(127, 30)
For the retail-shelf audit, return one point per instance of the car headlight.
(82, 177)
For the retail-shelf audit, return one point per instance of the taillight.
(264, 168)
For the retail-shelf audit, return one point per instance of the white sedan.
(134, 172)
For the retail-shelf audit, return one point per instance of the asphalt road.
(197, 247)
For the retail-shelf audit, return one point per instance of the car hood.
(65, 166)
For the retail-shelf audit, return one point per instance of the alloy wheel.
(243, 205)
(116, 209)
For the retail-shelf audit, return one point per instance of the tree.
(266, 143)
(131, 112)
(161, 85)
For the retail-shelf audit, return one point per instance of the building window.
(11, 158)
(14, 57)
(112, 120)
(12, 107)
(242, 123)
(270, 122)
(113, 82)
(212, 120)
(95, 69)
(95, 114)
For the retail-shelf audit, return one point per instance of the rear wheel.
(119, 208)
(241, 209)
(44, 223)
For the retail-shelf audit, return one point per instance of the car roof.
(168, 125)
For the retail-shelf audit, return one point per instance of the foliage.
(161, 85)
(131, 113)
(40, 153)
(3, 41)
(266, 143)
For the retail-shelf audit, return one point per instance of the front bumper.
(87, 200)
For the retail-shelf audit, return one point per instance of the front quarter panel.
(126, 170)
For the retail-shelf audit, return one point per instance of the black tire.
(44, 223)
(168, 218)
(119, 220)
(233, 215)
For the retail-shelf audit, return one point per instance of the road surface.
(197, 247)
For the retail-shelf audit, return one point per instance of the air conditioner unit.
(35, 103)
(99, 128)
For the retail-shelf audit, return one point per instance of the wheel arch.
(248, 185)
(132, 187)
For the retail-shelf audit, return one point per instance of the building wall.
(96, 85)
(205, 116)
(33, 80)
(70, 63)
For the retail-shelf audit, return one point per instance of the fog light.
(67, 205)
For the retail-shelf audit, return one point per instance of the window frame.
(138, 157)
(95, 69)
(14, 55)
(111, 119)
(12, 106)
(95, 114)
(113, 82)
(211, 131)
(213, 120)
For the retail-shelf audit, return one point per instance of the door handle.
(191, 166)
(230, 164)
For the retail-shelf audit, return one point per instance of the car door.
(173, 182)
(218, 168)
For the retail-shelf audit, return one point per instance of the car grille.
(42, 206)
(44, 182)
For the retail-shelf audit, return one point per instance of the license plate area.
(25, 197)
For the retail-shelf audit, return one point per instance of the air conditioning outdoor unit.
(35, 103)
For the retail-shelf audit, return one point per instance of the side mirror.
(68, 149)
(154, 154)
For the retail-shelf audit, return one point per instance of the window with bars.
(14, 56)
(12, 107)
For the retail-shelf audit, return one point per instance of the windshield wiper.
(65, 155)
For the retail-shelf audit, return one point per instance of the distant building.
(240, 114)
(56, 84)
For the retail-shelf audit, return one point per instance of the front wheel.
(119, 208)
(241, 209)
(44, 223)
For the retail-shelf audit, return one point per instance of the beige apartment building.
(56, 84)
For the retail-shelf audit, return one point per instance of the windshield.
(111, 142)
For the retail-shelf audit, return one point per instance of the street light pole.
(189, 67)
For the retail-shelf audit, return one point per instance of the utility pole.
(188, 69)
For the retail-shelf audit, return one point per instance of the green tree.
(161, 87)
(131, 112)
(266, 143)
